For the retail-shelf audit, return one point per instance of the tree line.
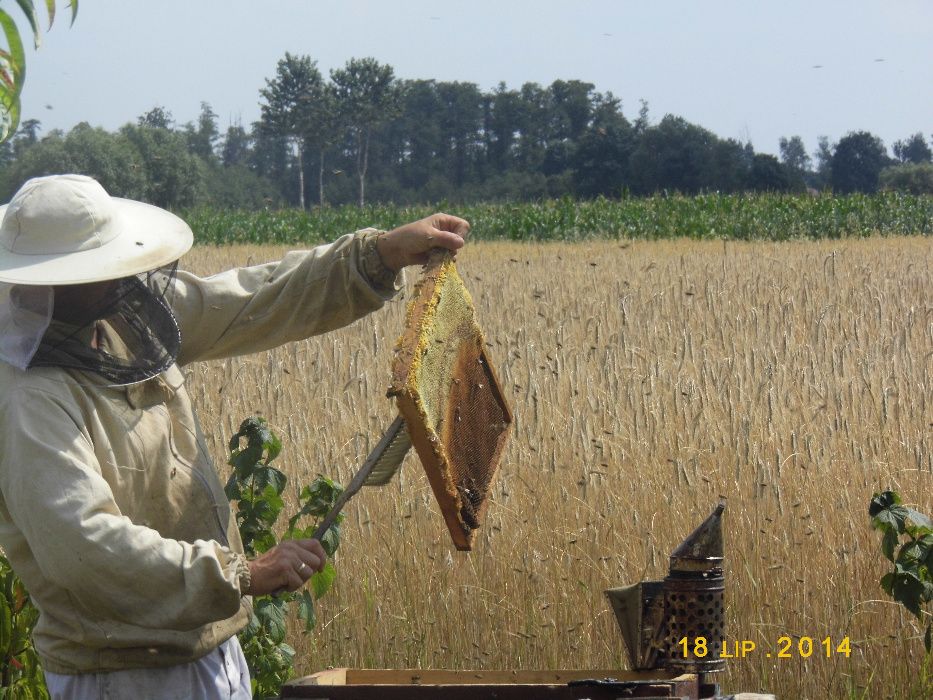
(364, 135)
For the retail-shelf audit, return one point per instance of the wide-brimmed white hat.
(66, 229)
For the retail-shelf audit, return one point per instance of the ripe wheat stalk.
(646, 380)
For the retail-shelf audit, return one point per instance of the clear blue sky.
(743, 69)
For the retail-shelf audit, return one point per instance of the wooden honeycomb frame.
(451, 400)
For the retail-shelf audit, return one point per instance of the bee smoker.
(678, 624)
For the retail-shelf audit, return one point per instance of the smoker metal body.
(661, 621)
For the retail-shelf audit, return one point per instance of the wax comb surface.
(449, 395)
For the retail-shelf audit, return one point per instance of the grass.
(646, 378)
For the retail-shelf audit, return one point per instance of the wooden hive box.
(365, 684)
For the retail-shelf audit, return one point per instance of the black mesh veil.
(126, 333)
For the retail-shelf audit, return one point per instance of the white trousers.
(221, 675)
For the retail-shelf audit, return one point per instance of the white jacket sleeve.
(256, 308)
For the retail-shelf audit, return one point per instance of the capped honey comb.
(450, 398)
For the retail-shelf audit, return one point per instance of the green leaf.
(288, 655)
(316, 500)
(271, 504)
(306, 612)
(882, 501)
(331, 540)
(28, 616)
(232, 489)
(12, 74)
(318, 497)
(893, 518)
(926, 559)
(917, 524)
(272, 445)
(277, 479)
(29, 9)
(6, 628)
(252, 627)
(297, 533)
(322, 581)
(264, 541)
(908, 590)
(889, 543)
(244, 461)
(50, 8)
(14, 60)
(270, 476)
(271, 614)
(909, 554)
(249, 428)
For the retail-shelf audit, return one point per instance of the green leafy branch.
(256, 487)
(911, 581)
(20, 674)
(13, 60)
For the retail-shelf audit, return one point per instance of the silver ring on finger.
(301, 569)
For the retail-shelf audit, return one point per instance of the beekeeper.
(111, 511)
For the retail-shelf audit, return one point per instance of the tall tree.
(796, 161)
(287, 107)
(27, 135)
(857, 162)
(533, 127)
(603, 151)
(269, 158)
(156, 118)
(460, 119)
(674, 155)
(174, 177)
(570, 110)
(28, 131)
(323, 130)
(912, 150)
(45, 157)
(416, 133)
(572, 104)
(768, 174)
(236, 146)
(365, 97)
(824, 160)
(916, 178)
(731, 164)
(111, 159)
(503, 125)
(644, 118)
(202, 138)
(794, 154)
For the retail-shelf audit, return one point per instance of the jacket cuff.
(380, 277)
(241, 570)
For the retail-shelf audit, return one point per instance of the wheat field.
(647, 379)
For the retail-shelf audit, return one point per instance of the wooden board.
(372, 684)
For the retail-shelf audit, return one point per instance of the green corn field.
(735, 217)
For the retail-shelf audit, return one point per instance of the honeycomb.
(451, 400)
